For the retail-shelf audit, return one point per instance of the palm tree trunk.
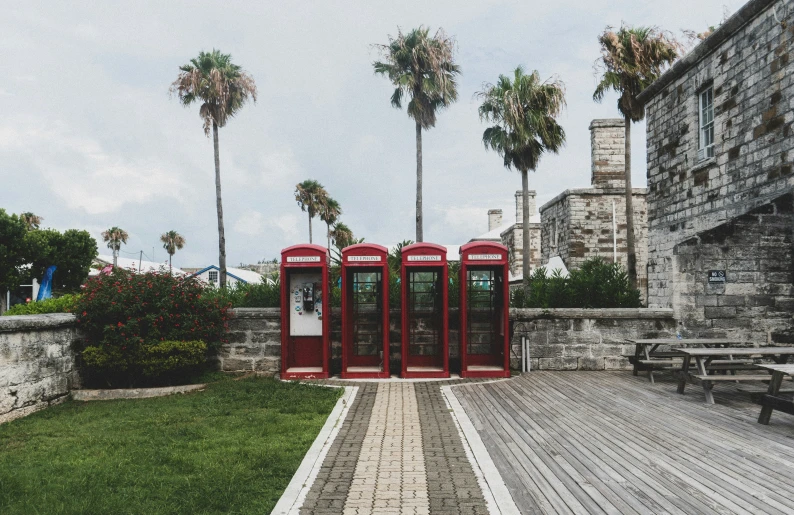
(419, 236)
(631, 252)
(328, 233)
(310, 227)
(170, 268)
(115, 257)
(525, 229)
(221, 234)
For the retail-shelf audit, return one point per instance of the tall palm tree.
(329, 213)
(631, 59)
(342, 236)
(114, 237)
(172, 241)
(422, 67)
(31, 220)
(223, 88)
(310, 196)
(524, 112)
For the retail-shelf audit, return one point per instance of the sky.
(90, 138)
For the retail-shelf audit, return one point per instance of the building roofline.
(740, 18)
(218, 269)
(594, 192)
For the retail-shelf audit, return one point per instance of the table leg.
(707, 385)
(637, 358)
(774, 389)
(650, 367)
(683, 376)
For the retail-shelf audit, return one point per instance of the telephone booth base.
(305, 373)
(484, 371)
(426, 373)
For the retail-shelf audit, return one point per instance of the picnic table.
(707, 360)
(648, 358)
(772, 400)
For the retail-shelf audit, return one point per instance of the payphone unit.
(305, 315)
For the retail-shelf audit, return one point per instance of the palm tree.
(631, 59)
(223, 88)
(114, 237)
(172, 241)
(310, 196)
(524, 112)
(423, 68)
(342, 236)
(31, 220)
(329, 213)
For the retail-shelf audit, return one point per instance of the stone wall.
(608, 153)
(749, 63)
(756, 301)
(37, 366)
(513, 239)
(585, 339)
(577, 226)
(254, 341)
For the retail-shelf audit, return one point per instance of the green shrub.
(252, 295)
(173, 357)
(125, 316)
(597, 284)
(64, 304)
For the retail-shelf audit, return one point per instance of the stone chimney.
(608, 147)
(494, 219)
(520, 205)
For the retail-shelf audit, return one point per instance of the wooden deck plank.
(611, 442)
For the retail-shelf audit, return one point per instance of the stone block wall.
(749, 63)
(513, 239)
(585, 339)
(608, 153)
(37, 365)
(577, 226)
(254, 341)
(757, 300)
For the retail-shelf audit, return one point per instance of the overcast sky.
(89, 137)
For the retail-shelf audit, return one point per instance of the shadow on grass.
(232, 448)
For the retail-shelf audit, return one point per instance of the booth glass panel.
(484, 299)
(367, 314)
(424, 308)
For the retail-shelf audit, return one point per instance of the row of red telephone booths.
(424, 280)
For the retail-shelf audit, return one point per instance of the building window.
(706, 116)
(213, 276)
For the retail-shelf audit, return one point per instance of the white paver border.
(491, 483)
(292, 498)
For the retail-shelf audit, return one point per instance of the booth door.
(365, 298)
(425, 323)
(484, 331)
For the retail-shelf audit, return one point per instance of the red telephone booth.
(305, 312)
(484, 310)
(365, 312)
(425, 313)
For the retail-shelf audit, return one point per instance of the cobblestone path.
(398, 452)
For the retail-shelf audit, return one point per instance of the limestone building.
(720, 148)
(584, 223)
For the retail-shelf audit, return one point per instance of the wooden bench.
(714, 360)
(772, 400)
(647, 357)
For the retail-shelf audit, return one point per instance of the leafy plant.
(175, 358)
(123, 314)
(252, 295)
(64, 304)
(597, 284)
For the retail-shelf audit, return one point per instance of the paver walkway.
(398, 452)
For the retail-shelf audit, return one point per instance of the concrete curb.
(493, 487)
(134, 393)
(294, 495)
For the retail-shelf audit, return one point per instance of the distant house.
(211, 274)
(138, 266)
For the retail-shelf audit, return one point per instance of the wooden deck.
(609, 442)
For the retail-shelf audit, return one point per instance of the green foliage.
(123, 314)
(231, 448)
(252, 295)
(71, 252)
(454, 284)
(14, 250)
(173, 357)
(64, 304)
(597, 284)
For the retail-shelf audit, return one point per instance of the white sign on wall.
(363, 258)
(424, 258)
(303, 259)
(485, 257)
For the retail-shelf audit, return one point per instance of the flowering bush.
(126, 317)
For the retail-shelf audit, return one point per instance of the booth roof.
(453, 251)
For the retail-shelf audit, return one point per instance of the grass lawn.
(232, 448)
